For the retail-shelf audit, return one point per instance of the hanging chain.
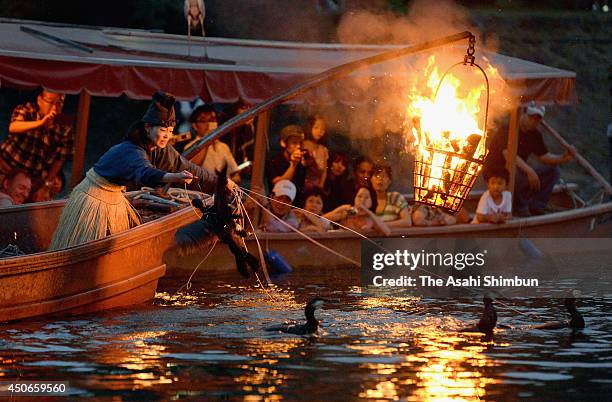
(469, 57)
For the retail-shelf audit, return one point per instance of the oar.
(579, 158)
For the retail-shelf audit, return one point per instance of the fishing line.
(188, 283)
(261, 255)
(244, 212)
(320, 216)
(306, 236)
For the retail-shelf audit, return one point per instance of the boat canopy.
(110, 62)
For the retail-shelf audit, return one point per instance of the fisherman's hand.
(231, 185)
(534, 180)
(569, 154)
(184, 177)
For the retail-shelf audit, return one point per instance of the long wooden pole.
(512, 147)
(318, 80)
(579, 158)
(259, 157)
(80, 138)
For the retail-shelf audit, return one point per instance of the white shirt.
(486, 205)
(218, 154)
(6, 200)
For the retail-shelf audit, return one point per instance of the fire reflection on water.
(213, 346)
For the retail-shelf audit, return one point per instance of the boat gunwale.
(44, 260)
(53, 259)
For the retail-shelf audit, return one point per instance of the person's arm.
(339, 213)
(404, 220)
(296, 158)
(170, 160)
(557, 159)
(378, 223)
(532, 176)
(23, 126)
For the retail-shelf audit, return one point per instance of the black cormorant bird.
(487, 320)
(575, 322)
(311, 326)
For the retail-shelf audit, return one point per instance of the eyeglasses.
(53, 102)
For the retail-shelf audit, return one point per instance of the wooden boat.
(124, 268)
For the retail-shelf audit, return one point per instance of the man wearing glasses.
(37, 142)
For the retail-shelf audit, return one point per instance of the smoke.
(389, 85)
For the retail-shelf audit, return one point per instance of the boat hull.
(124, 268)
(115, 271)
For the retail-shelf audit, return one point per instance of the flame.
(447, 128)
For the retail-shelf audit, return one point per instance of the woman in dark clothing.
(338, 189)
(97, 207)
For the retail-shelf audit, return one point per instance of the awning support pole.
(80, 138)
(512, 147)
(259, 157)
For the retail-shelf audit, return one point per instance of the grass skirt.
(96, 208)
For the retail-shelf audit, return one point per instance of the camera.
(306, 154)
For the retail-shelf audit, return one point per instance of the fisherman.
(97, 208)
(534, 185)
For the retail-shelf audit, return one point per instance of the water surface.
(207, 342)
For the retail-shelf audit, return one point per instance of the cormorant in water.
(575, 322)
(311, 325)
(487, 320)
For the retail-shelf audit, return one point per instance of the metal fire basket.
(444, 178)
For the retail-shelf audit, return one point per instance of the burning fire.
(448, 140)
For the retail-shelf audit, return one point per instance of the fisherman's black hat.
(161, 110)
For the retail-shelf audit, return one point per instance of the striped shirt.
(393, 207)
(36, 150)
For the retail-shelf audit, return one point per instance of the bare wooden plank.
(80, 139)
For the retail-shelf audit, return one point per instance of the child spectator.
(338, 189)
(315, 144)
(495, 205)
(362, 217)
(392, 207)
(282, 196)
(314, 200)
(290, 163)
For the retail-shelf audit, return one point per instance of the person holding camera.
(291, 163)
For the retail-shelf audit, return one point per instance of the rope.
(188, 283)
(334, 252)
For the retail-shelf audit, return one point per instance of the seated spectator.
(495, 205)
(315, 143)
(392, 207)
(338, 189)
(51, 190)
(15, 188)
(361, 216)
(290, 164)
(282, 196)
(314, 200)
(244, 136)
(426, 215)
(534, 185)
(362, 173)
(215, 156)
